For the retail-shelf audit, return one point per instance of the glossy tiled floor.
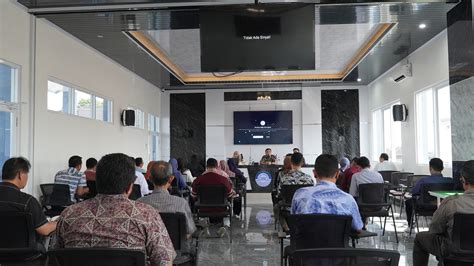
(255, 241)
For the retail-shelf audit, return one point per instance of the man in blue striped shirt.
(326, 197)
(73, 177)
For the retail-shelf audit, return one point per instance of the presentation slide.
(263, 127)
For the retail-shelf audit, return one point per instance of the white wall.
(430, 67)
(57, 136)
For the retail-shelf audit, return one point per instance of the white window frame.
(153, 133)
(382, 109)
(435, 88)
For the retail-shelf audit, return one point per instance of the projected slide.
(263, 127)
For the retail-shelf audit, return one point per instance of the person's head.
(75, 162)
(354, 161)
(436, 166)
(223, 166)
(287, 162)
(211, 163)
(91, 163)
(268, 151)
(296, 150)
(139, 162)
(383, 157)
(236, 155)
(115, 174)
(182, 164)
(467, 175)
(297, 160)
(344, 163)
(326, 168)
(161, 174)
(363, 162)
(15, 170)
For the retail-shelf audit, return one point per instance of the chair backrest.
(463, 235)
(92, 188)
(176, 225)
(96, 257)
(400, 178)
(372, 193)
(18, 235)
(288, 191)
(136, 192)
(413, 179)
(387, 175)
(319, 230)
(56, 194)
(345, 257)
(428, 200)
(212, 194)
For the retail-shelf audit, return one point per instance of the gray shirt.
(365, 176)
(161, 200)
(443, 219)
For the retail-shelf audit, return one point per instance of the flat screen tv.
(257, 38)
(263, 127)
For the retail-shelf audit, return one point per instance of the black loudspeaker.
(128, 117)
(400, 112)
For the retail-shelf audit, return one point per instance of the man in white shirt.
(384, 164)
(140, 180)
(365, 176)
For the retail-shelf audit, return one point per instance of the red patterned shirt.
(115, 221)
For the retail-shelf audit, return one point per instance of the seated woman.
(185, 172)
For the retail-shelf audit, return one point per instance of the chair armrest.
(373, 205)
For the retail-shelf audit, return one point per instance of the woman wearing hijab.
(240, 183)
(181, 184)
(344, 163)
(225, 168)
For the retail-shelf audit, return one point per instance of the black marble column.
(461, 77)
(340, 122)
(188, 125)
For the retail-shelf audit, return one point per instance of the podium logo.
(263, 179)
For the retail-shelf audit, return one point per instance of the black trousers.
(409, 210)
(427, 243)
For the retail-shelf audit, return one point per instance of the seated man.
(72, 177)
(161, 175)
(91, 164)
(140, 180)
(325, 197)
(384, 164)
(15, 176)
(365, 176)
(436, 168)
(212, 178)
(268, 158)
(112, 220)
(437, 240)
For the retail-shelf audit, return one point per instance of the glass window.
(386, 134)
(82, 104)
(153, 123)
(425, 126)
(6, 136)
(103, 109)
(58, 97)
(7, 82)
(139, 118)
(377, 134)
(444, 124)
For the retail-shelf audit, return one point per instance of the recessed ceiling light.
(359, 80)
(422, 26)
(100, 36)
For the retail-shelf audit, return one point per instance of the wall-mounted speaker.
(128, 117)
(400, 112)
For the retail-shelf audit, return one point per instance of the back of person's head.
(75, 161)
(211, 163)
(160, 172)
(467, 172)
(13, 166)
(287, 161)
(384, 156)
(296, 150)
(297, 159)
(182, 164)
(326, 166)
(268, 149)
(363, 162)
(344, 162)
(91, 163)
(115, 173)
(138, 161)
(436, 164)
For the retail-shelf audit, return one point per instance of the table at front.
(443, 194)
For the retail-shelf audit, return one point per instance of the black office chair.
(56, 197)
(212, 202)
(426, 205)
(463, 241)
(176, 225)
(136, 192)
(373, 201)
(345, 257)
(96, 257)
(18, 239)
(92, 189)
(387, 175)
(398, 186)
(286, 197)
(317, 231)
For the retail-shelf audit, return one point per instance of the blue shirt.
(433, 179)
(326, 198)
